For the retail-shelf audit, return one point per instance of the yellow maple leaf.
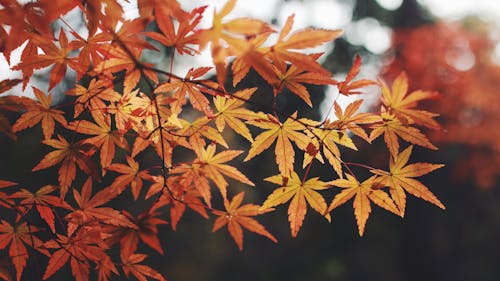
(283, 134)
(400, 178)
(299, 192)
(230, 112)
(392, 128)
(363, 193)
(401, 104)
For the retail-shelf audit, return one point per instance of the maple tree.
(122, 107)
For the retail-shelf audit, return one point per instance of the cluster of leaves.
(462, 67)
(122, 107)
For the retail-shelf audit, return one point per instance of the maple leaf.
(349, 87)
(363, 193)
(91, 50)
(237, 216)
(392, 128)
(179, 196)
(401, 104)
(71, 155)
(52, 55)
(18, 236)
(131, 264)
(105, 138)
(294, 77)
(90, 210)
(87, 244)
(131, 176)
(221, 32)
(327, 139)
(250, 54)
(212, 166)
(43, 202)
(185, 34)
(229, 111)
(147, 223)
(188, 87)
(5, 200)
(283, 134)
(8, 84)
(24, 20)
(164, 10)
(299, 192)
(400, 178)
(282, 51)
(336, 132)
(348, 120)
(93, 96)
(40, 111)
(101, 13)
(198, 129)
(124, 110)
(129, 35)
(118, 59)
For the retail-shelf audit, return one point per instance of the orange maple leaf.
(90, 208)
(237, 216)
(210, 165)
(147, 223)
(284, 49)
(392, 128)
(348, 120)
(185, 35)
(43, 202)
(40, 111)
(189, 86)
(52, 55)
(11, 103)
(71, 155)
(87, 244)
(105, 138)
(299, 192)
(402, 105)
(230, 111)
(349, 87)
(178, 196)
(400, 178)
(363, 193)
(8, 84)
(18, 236)
(283, 134)
(222, 33)
(294, 77)
(5, 200)
(132, 177)
(93, 96)
(131, 264)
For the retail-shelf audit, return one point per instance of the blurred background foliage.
(461, 60)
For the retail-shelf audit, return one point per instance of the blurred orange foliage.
(460, 60)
